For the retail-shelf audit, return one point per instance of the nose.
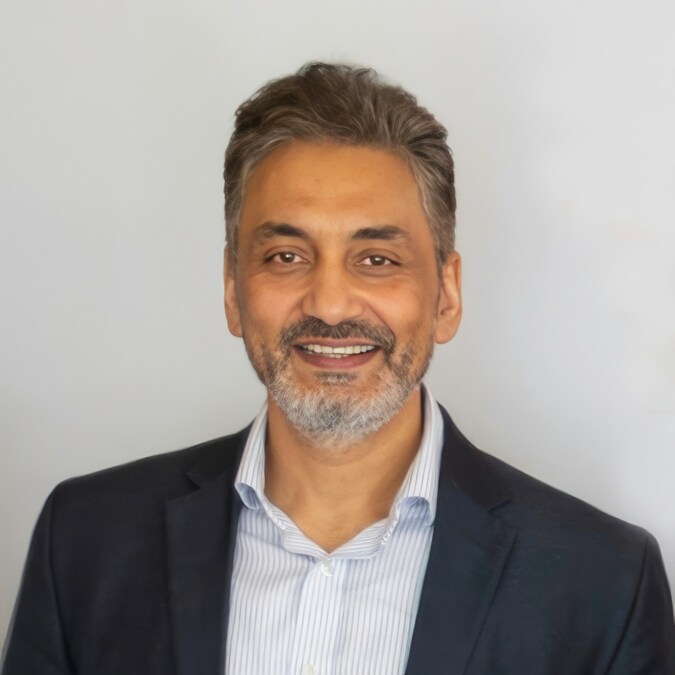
(332, 295)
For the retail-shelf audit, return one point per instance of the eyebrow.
(271, 229)
(385, 232)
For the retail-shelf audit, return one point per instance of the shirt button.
(309, 669)
(327, 568)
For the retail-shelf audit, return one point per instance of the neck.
(332, 494)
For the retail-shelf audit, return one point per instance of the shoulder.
(119, 512)
(158, 477)
(564, 551)
(542, 515)
(569, 569)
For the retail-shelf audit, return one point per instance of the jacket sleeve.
(648, 643)
(35, 641)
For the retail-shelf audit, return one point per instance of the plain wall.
(114, 119)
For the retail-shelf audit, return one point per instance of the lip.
(327, 342)
(346, 362)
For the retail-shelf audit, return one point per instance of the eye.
(376, 261)
(286, 258)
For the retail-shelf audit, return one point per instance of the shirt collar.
(250, 479)
(420, 483)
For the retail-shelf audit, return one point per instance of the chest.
(349, 612)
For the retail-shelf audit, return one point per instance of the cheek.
(265, 307)
(408, 310)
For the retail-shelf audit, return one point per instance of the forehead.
(325, 183)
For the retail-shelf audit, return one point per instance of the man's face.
(336, 290)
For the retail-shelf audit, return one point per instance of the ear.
(449, 310)
(231, 305)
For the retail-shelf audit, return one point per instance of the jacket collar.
(470, 471)
(217, 457)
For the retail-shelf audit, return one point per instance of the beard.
(332, 414)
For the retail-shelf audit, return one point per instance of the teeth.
(338, 352)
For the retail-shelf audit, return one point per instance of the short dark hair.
(347, 105)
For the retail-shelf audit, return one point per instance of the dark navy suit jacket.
(128, 574)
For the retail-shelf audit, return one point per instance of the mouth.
(337, 355)
(337, 352)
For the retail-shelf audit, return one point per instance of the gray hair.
(345, 105)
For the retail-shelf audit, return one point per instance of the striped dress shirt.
(297, 610)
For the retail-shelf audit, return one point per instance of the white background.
(114, 118)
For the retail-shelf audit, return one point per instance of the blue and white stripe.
(297, 610)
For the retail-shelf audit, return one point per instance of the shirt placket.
(319, 619)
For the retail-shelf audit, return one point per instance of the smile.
(337, 352)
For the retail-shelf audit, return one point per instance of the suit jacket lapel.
(467, 556)
(468, 552)
(201, 533)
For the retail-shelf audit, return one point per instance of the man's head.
(343, 105)
(341, 287)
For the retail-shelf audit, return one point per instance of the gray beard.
(337, 419)
(331, 416)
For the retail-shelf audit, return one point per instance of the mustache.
(312, 327)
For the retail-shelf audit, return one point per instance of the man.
(351, 529)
